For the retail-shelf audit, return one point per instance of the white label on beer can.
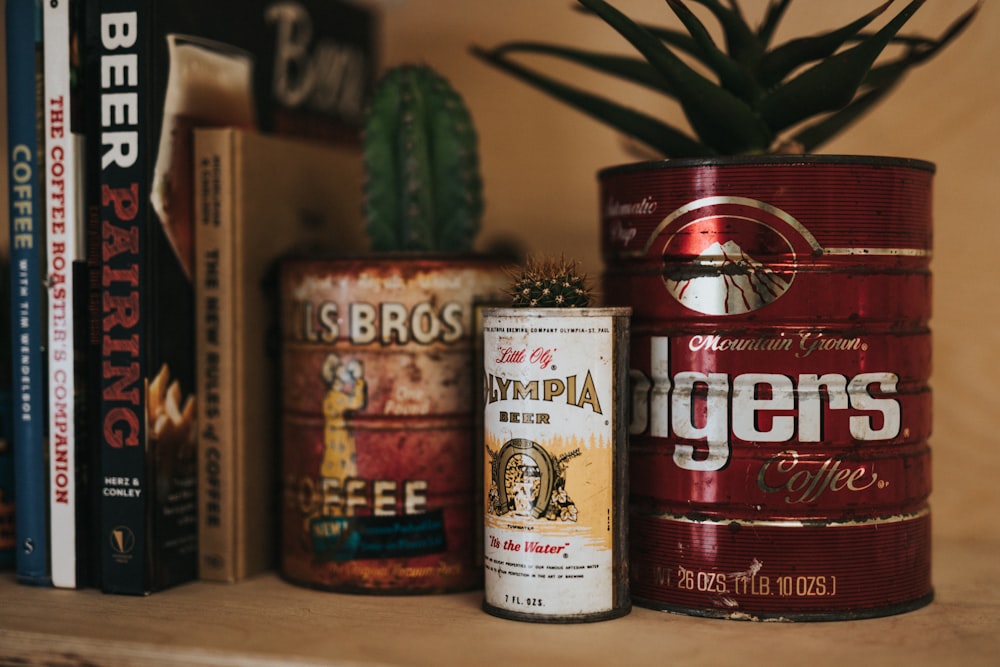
(549, 457)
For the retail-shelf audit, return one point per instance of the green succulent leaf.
(781, 61)
(921, 43)
(832, 83)
(676, 38)
(652, 132)
(879, 82)
(625, 68)
(815, 86)
(924, 48)
(741, 42)
(772, 17)
(815, 135)
(735, 6)
(732, 75)
(722, 120)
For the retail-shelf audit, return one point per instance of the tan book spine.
(215, 179)
(257, 197)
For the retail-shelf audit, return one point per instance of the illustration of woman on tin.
(346, 391)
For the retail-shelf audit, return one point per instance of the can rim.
(769, 160)
(400, 258)
(536, 313)
(790, 616)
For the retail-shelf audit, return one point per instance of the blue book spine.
(24, 34)
(8, 536)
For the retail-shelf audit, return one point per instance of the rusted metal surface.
(781, 353)
(377, 435)
(555, 463)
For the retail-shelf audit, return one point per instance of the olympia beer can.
(781, 351)
(555, 463)
(378, 422)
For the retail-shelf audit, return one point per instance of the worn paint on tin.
(378, 439)
(555, 463)
(780, 362)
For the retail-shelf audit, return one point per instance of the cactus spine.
(423, 190)
(550, 283)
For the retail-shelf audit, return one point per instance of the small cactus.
(550, 283)
(423, 190)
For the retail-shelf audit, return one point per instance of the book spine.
(61, 243)
(81, 320)
(214, 350)
(23, 35)
(123, 483)
(8, 535)
(91, 348)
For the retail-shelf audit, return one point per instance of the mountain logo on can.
(730, 255)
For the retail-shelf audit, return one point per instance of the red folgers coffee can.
(781, 352)
(378, 437)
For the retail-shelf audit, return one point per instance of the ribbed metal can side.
(378, 422)
(780, 365)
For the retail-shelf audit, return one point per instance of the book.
(8, 534)
(63, 228)
(8, 537)
(257, 197)
(170, 66)
(27, 204)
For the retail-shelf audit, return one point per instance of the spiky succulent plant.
(549, 283)
(423, 190)
(747, 96)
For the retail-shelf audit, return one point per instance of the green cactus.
(423, 190)
(549, 283)
(757, 98)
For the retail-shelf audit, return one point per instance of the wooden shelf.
(269, 621)
(550, 197)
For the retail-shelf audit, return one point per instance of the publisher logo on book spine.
(730, 255)
(122, 541)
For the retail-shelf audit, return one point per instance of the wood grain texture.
(267, 621)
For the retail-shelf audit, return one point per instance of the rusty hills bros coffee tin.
(781, 351)
(378, 433)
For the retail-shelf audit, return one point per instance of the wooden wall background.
(540, 161)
